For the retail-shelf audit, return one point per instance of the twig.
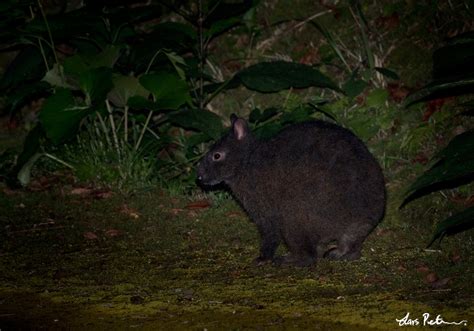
(64, 163)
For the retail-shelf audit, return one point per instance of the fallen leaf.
(113, 233)
(440, 283)
(233, 214)
(383, 232)
(133, 213)
(90, 235)
(200, 204)
(431, 277)
(176, 211)
(397, 92)
(8, 191)
(103, 194)
(455, 258)
(192, 213)
(81, 191)
(423, 269)
(374, 280)
(402, 268)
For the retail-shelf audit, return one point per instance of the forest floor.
(75, 257)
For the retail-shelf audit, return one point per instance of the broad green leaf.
(363, 126)
(280, 75)
(377, 98)
(22, 94)
(175, 30)
(27, 65)
(257, 116)
(124, 88)
(175, 60)
(455, 166)
(139, 102)
(458, 146)
(170, 35)
(199, 120)
(388, 73)
(106, 58)
(61, 116)
(169, 91)
(456, 223)
(54, 78)
(353, 87)
(441, 89)
(196, 139)
(7, 5)
(75, 66)
(24, 174)
(453, 71)
(222, 10)
(363, 26)
(325, 111)
(454, 61)
(221, 26)
(30, 147)
(96, 83)
(297, 115)
(333, 44)
(86, 23)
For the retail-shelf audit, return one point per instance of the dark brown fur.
(313, 184)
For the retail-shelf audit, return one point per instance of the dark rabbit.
(313, 184)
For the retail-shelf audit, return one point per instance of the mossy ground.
(78, 258)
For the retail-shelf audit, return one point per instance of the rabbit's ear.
(240, 128)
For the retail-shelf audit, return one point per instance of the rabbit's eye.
(216, 156)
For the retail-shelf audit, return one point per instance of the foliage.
(96, 159)
(453, 71)
(107, 61)
(454, 165)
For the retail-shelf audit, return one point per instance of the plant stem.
(201, 57)
(43, 54)
(106, 132)
(112, 125)
(143, 130)
(125, 135)
(53, 48)
(152, 60)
